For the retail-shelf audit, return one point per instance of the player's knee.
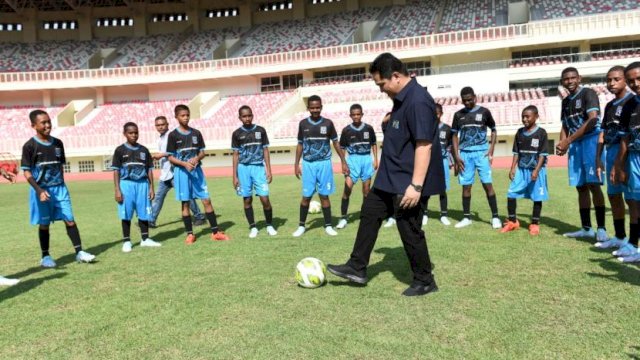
(582, 189)
(44, 227)
(305, 201)
(70, 223)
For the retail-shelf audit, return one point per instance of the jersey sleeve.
(489, 121)
(455, 124)
(149, 162)
(544, 146)
(26, 162)
(171, 144)
(591, 102)
(116, 160)
(201, 141)
(603, 125)
(333, 134)
(343, 139)
(265, 138)
(63, 157)
(235, 144)
(515, 148)
(300, 133)
(373, 138)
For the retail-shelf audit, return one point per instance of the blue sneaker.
(47, 262)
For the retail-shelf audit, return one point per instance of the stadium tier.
(555, 9)
(16, 127)
(200, 46)
(475, 14)
(417, 18)
(145, 50)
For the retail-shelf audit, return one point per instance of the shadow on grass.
(626, 273)
(27, 285)
(67, 259)
(635, 356)
(277, 223)
(395, 261)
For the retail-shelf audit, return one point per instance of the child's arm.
(536, 171)
(43, 195)
(236, 158)
(343, 160)
(619, 174)
(8, 175)
(267, 164)
(116, 185)
(152, 193)
(374, 150)
(514, 163)
(184, 164)
(599, 165)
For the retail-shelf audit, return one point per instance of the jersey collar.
(626, 96)
(577, 93)
(184, 133)
(315, 123)
(247, 130)
(131, 147)
(49, 141)
(529, 133)
(357, 129)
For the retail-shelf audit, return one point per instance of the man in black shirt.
(410, 169)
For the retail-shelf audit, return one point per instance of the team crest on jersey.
(366, 135)
(143, 156)
(578, 104)
(58, 152)
(619, 111)
(396, 124)
(443, 134)
(194, 140)
(323, 130)
(478, 117)
(534, 143)
(258, 135)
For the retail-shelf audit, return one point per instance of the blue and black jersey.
(44, 159)
(250, 144)
(184, 146)
(358, 140)
(613, 129)
(576, 109)
(471, 127)
(630, 120)
(132, 162)
(316, 137)
(444, 134)
(529, 146)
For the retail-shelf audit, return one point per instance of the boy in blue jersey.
(315, 135)
(252, 168)
(133, 183)
(444, 135)
(12, 179)
(472, 151)
(579, 137)
(612, 132)
(359, 140)
(528, 173)
(185, 147)
(42, 161)
(627, 166)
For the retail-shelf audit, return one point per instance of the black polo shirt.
(413, 118)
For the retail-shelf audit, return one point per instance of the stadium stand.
(292, 35)
(200, 46)
(555, 9)
(414, 19)
(144, 50)
(473, 15)
(14, 123)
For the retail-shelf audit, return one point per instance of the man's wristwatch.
(417, 188)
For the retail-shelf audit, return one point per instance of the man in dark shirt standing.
(410, 169)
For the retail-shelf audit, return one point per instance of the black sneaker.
(345, 271)
(199, 222)
(419, 289)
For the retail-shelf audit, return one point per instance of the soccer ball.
(314, 207)
(311, 273)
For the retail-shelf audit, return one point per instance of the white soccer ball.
(314, 207)
(311, 273)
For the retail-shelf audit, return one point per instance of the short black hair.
(532, 108)
(616, 68)
(129, 124)
(439, 107)
(244, 107)
(386, 64)
(313, 98)
(467, 90)
(568, 70)
(180, 107)
(161, 117)
(633, 65)
(34, 115)
(355, 107)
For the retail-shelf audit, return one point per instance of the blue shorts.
(252, 178)
(522, 187)
(633, 176)
(610, 159)
(317, 176)
(582, 162)
(190, 184)
(475, 160)
(445, 163)
(57, 208)
(135, 198)
(360, 167)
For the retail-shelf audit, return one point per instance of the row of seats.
(473, 14)
(414, 19)
(557, 9)
(200, 46)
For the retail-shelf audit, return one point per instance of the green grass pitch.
(501, 296)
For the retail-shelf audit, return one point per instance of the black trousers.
(376, 207)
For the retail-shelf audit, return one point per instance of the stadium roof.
(65, 5)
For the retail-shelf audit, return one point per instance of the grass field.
(501, 296)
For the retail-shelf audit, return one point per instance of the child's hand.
(118, 197)
(152, 194)
(512, 174)
(236, 182)
(187, 165)
(534, 175)
(44, 196)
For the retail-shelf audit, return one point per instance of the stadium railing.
(547, 28)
